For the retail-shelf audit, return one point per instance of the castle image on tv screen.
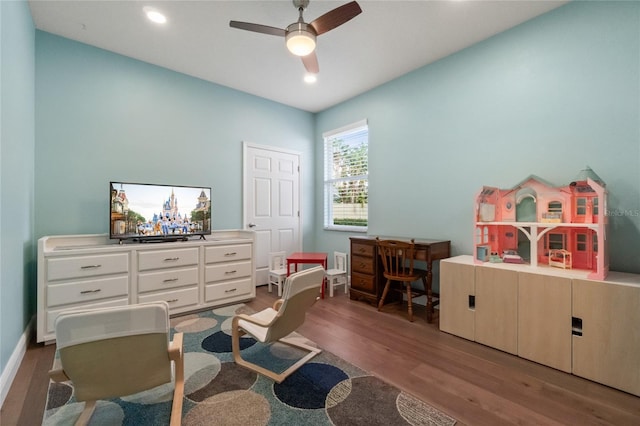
(145, 211)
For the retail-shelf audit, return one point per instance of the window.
(581, 242)
(554, 207)
(346, 178)
(581, 206)
(555, 241)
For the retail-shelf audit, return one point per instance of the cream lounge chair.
(301, 291)
(118, 351)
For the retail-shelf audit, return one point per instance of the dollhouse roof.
(533, 177)
(590, 174)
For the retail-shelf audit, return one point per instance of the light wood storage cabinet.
(496, 311)
(555, 317)
(90, 271)
(544, 317)
(606, 338)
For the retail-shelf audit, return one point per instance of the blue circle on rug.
(315, 379)
(220, 342)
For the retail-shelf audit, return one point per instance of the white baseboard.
(11, 369)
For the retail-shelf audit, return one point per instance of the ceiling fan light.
(300, 42)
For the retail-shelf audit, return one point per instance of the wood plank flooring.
(475, 384)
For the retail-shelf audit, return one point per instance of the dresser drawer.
(227, 271)
(158, 259)
(364, 265)
(226, 290)
(64, 268)
(175, 298)
(84, 291)
(363, 282)
(366, 250)
(166, 279)
(227, 253)
(53, 314)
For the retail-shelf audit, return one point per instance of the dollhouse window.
(594, 244)
(581, 242)
(554, 207)
(581, 206)
(595, 205)
(556, 241)
(482, 235)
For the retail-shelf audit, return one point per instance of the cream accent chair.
(302, 290)
(338, 274)
(118, 351)
(277, 270)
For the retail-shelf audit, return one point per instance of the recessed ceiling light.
(154, 15)
(310, 78)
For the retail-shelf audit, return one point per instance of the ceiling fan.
(300, 37)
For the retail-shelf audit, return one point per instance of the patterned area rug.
(325, 391)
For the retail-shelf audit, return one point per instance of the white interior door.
(271, 202)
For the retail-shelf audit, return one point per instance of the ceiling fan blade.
(264, 29)
(336, 17)
(311, 63)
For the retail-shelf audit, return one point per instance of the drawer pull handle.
(230, 272)
(230, 290)
(170, 280)
(172, 300)
(171, 259)
(576, 326)
(231, 254)
(89, 291)
(91, 266)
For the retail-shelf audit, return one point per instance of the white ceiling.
(388, 39)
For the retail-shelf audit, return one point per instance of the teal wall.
(17, 245)
(548, 97)
(102, 116)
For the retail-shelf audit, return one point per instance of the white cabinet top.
(101, 243)
(613, 277)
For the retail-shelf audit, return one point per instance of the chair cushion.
(259, 332)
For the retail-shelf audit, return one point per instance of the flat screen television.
(152, 212)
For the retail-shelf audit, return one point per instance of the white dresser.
(87, 271)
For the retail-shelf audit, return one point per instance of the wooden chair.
(302, 290)
(397, 261)
(338, 274)
(118, 351)
(277, 270)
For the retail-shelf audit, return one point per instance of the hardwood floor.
(475, 384)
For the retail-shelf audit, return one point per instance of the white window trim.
(326, 210)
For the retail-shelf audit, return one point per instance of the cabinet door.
(457, 291)
(544, 320)
(497, 308)
(608, 351)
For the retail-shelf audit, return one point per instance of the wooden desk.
(367, 280)
(299, 258)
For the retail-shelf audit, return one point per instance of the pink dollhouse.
(541, 224)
